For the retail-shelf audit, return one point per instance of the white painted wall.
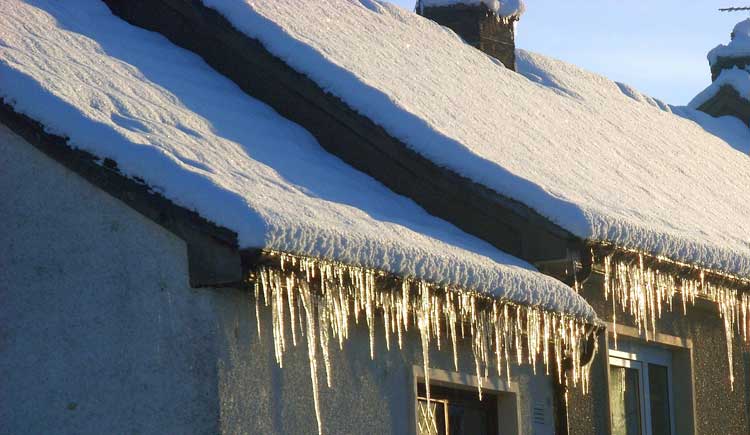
(101, 333)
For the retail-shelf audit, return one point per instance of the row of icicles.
(644, 292)
(318, 298)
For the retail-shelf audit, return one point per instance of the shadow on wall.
(257, 396)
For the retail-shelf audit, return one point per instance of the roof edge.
(214, 257)
(602, 249)
(253, 259)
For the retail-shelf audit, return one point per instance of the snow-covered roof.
(738, 78)
(739, 46)
(569, 143)
(503, 8)
(163, 115)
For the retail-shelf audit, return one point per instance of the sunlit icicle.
(277, 315)
(517, 334)
(386, 303)
(453, 318)
(290, 285)
(256, 294)
(311, 329)
(340, 292)
(498, 338)
(644, 292)
(506, 340)
(324, 325)
(423, 324)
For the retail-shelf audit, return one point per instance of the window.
(640, 386)
(455, 408)
(455, 412)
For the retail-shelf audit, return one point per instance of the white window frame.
(638, 358)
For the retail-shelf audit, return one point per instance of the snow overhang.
(214, 258)
(507, 224)
(568, 144)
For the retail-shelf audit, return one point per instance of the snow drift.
(569, 143)
(163, 115)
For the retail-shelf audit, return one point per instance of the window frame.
(507, 392)
(639, 357)
(681, 348)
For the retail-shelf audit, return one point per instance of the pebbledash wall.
(101, 333)
(697, 343)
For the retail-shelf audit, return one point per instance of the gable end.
(213, 257)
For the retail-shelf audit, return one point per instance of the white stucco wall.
(101, 333)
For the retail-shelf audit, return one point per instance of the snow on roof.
(738, 78)
(739, 46)
(504, 8)
(564, 141)
(165, 116)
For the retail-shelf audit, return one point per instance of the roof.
(573, 145)
(164, 116)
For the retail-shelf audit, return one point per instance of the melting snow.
(567, 142)
(159, 111)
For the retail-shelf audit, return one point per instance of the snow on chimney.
(729, 94)
(734, 54)
(488, 25)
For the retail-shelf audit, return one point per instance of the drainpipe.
(561, 385)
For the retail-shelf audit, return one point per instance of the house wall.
(101, 333)
(718, 409)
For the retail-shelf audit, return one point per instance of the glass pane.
(658, 384)
(465, 420)
(625, 398)
(430, 417)
(456, 411)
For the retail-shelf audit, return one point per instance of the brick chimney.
(730, 71)
(478, 24)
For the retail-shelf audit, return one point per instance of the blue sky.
(657, 46)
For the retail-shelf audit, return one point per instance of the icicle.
(324, 296)
(423, 324)
(324, 325)
(643, 291)
(256, 293)
(496, 333)
(506, 340)
(307, 303)
(290, 285)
